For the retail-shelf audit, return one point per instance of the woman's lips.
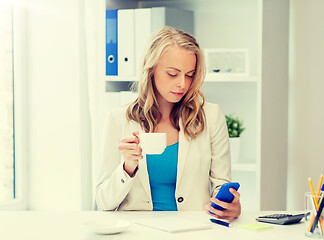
(179, 94)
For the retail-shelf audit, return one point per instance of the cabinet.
(260, 99)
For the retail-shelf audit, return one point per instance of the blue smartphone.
(225, 195)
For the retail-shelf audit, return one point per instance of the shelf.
(121, 78)
(244, 167)
(214, 77)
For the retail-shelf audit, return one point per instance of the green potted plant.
(235, 128)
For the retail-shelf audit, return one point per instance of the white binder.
(134, 29)
(126, 42)
(142, 34)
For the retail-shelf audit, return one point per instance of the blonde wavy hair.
(145, 109)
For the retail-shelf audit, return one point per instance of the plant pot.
(235, 149)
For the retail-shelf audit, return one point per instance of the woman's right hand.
(131, 152)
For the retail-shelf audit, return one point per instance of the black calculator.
(281, 219)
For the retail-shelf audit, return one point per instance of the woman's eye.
(172, 75)
(190, 76)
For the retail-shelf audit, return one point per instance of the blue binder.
(111, 43)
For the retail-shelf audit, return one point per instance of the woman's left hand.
(232, 210)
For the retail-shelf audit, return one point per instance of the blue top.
(162, 170)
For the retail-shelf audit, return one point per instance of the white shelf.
(214, 77)
(121, 78)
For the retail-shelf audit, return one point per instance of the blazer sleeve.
(220, 170)
(114, 183)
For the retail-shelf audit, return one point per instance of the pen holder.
(313, 225)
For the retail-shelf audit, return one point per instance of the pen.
(314, 213)
(319, 186)
(316, 209)
(226, 224)
(319, 212)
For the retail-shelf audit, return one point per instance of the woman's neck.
(165, 107)
(165, 111)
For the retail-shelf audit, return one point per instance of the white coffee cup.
(152, 143)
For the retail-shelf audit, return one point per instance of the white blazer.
(201, 161)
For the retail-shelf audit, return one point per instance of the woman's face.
(173, 74)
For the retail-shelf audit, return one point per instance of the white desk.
(20, 225)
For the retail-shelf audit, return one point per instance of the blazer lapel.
(142, 173)
(184, 145)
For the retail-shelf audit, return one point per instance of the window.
(7, 143)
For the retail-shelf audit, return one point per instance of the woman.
(196, 161)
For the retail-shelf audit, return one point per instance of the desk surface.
(42, 225)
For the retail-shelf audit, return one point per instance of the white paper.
(173, 224)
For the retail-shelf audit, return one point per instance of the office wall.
(306, 98)
(53, 105)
